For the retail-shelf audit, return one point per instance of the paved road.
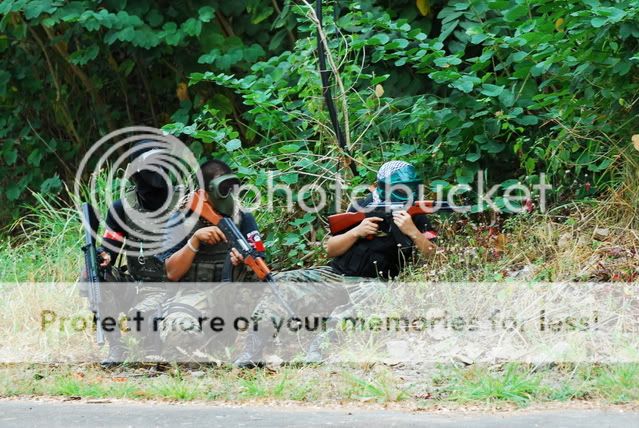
(22, 413)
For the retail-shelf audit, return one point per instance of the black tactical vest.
(376, 258)
(143, 267)
(209, 262)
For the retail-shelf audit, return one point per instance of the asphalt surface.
(23, 413)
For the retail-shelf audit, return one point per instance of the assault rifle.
(252, 259)
(339, 223)
(90, 224)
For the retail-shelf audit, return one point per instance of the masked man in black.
(130, 227)
(358, 268)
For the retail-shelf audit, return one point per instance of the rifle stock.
(341, 222)
(344, 221)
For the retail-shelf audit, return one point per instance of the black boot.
(117, 354)
(321, 341)
(251, 356)
(314, 353)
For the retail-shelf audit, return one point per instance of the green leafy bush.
(70, 72)
(510, 87)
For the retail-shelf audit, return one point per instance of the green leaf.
(173, 128)
(604, 164)
(13, 192)
(613, 13)
(622, 68)
(397, 44)
(84, 56)
(493, 147)
(378, 39)
(38, 7)
(289, 148)
(51, 185)
(154, 18)
(515, 13)
(447, 29)
(447, 61)
(126, 66)
(466, 83)
(439, 184)
(261, 15)
(478, 38)
(192, 27)
(126, 35)
(379, 79)
(253, 52)
(444, 76)
(405, 149)
(146, 38)
(598, 22)
(527, 120)
(507, 98)
(289, 178)
(466, 174)
(35, 157)
(233, 145)
(222, 103)
(210, 57)
(10, 156)
(206, 13)
(208, 136)
(473, 157)
(491, 90)
(519, 56)
(276, 40)
(226, 61)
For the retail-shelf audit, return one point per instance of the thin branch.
(224, 23)
(334, 68)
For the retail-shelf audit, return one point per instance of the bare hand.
(368, 226)
(405, 223)
(210, 235)
(105, 259)
(236, 257)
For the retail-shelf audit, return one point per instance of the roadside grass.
(222, 383)
(617, 384)
(381, 388)
(477, 384)
(518, 385)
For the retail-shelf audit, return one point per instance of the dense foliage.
(511, 87)
(72, 71)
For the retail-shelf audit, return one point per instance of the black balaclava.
(151, 188)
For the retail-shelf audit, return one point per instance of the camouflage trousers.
(123, 296)
(318, 293)
(126, 295)
(203, 320)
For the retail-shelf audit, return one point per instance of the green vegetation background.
(510, 87)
